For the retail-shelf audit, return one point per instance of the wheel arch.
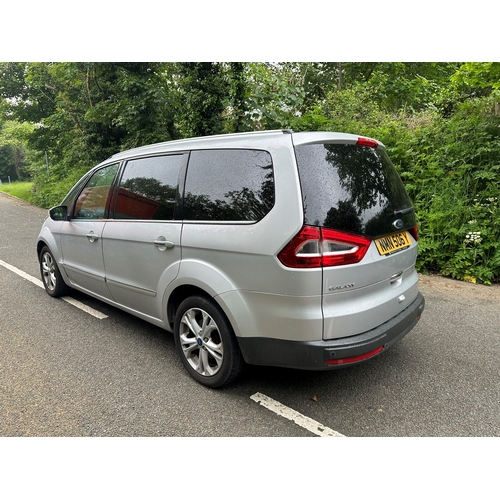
(178, 295)
(39, 245)
(50, 271)
(47, 239)
(196, 278)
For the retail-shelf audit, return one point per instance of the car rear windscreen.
(352, 188)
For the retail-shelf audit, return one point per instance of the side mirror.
(59, 213)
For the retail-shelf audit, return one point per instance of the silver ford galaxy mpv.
(268, 248)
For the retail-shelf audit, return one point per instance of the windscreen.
(352, 188)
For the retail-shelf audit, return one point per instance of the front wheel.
(51, 276)
(206, 342)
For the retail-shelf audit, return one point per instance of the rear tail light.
(414, 232)
(315, 247)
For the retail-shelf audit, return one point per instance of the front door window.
(93, 200)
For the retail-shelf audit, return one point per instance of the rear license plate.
(393, 242)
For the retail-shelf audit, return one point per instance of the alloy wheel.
(201, 342)
(49, 271)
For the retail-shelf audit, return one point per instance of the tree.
(275, 97)
(13, 150)
(239, 96)
(86, 111)
(481, 78)
(205, 87)
(478, 75)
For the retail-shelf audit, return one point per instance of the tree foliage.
(439, 122)
(478, 75)
(14, 156)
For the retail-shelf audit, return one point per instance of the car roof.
(237, 140)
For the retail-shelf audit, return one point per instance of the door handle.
(397, 278)
(92, 237)
(163, 244)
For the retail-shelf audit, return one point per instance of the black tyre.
(51, 276)
(206, 342)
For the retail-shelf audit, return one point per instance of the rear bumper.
(331, 354)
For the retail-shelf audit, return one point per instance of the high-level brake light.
(364, 141)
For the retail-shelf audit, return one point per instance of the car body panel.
(365, 295)
(81, 248)
(287, 317)
(137, 268)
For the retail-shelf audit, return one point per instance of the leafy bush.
(451, 170)
(48, 191)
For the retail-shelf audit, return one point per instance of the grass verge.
(22, 190)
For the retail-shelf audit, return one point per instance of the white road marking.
(296, 417)
(69, 300)
(83, 307)
(24, 275)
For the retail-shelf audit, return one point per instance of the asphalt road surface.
(65, 372)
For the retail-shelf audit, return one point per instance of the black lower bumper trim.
(314, 355)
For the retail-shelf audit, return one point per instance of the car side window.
(148, 188)
(92, 201)
(70, 197)
(229, 185)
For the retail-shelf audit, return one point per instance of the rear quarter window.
(228, 185)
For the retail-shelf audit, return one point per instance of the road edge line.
(296, 417)
(69, 300)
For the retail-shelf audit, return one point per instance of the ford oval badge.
(398, 223)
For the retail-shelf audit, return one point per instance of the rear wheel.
(206, 342)
(51, 276)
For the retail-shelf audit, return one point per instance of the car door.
(141, 244)
(81, 236)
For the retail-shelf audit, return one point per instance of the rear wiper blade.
(404, 211)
